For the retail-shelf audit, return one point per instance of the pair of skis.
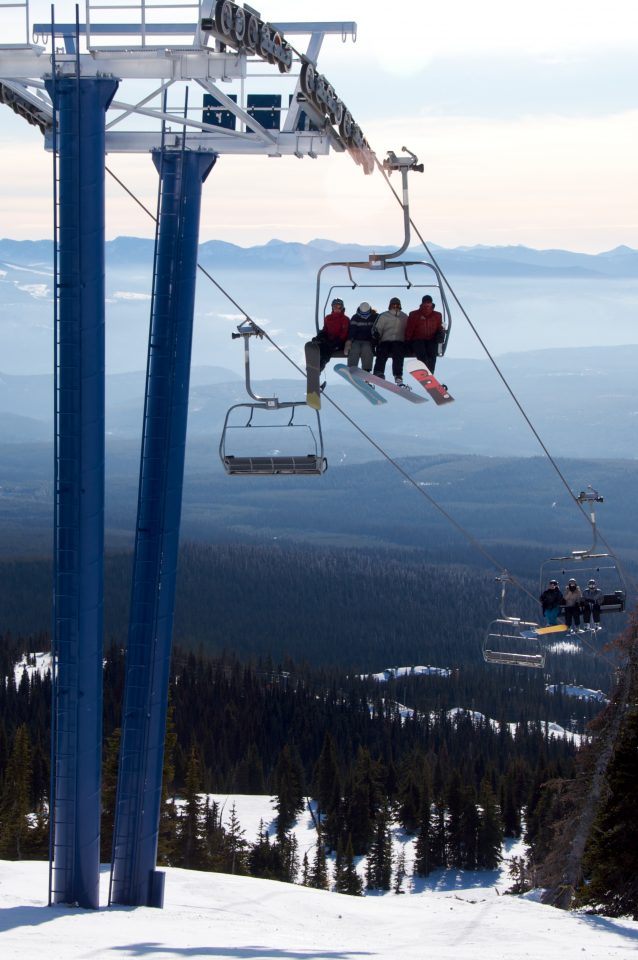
(366, 382)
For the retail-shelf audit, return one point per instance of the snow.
(32, 663)
(572, 690)
(451, 915)
(211, 915)
(392, 673)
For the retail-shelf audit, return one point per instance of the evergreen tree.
(261, 860)
(510, 812)
(423, 846)
(490, 833)
(347, 880)
(319, 872)
(364, 798)
(409, 797)
(453, 837)
(15, 802)
(611, 859)
(326, 776)
(289, 788)
(249, 775)
(168, 810)
(400, 873)
(469, 827)
(236, 846)
(109, 791)
(379, 866)
(190, 851)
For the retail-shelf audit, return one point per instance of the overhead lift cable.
(465, 533)
(500, 373)
(462, 530)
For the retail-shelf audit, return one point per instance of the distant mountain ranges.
(508, 261)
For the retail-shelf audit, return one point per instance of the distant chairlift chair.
(512, 641)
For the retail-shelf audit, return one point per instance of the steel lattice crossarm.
(228, 50)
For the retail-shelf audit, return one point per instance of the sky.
(450, 916)
(526, 120)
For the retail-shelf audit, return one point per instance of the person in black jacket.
(551, 601)
(359, 345)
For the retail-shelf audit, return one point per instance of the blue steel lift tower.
(63, 77)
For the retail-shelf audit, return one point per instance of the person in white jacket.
(573, 597)
(389, 332)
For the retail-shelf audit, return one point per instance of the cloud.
(130, 295)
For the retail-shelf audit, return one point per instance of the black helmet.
(338, 302)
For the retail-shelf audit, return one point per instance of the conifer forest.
(277, 697)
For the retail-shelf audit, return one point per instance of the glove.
(346, 347)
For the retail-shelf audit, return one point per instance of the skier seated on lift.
(360, 345)
(551, 601)
(593, 596)
(573, 599)
(389, 330)
(424, 332)
(334, 333)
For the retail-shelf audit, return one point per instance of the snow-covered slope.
(453, 917)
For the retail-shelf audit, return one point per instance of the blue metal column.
(79, 493)
(134, 880)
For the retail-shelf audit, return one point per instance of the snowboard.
(438, 391)
(407, 394)
(368, 392)
(313, 385)
(541, 631)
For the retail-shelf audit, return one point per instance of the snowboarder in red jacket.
(423, 332)
(334, 332)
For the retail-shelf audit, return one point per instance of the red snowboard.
(438, 391)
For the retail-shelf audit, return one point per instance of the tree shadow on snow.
(13, 917)
(454, 880)
(609, 925)
(241, 953)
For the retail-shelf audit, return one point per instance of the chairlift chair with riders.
(511, 641)
(412, 274)
(249, 446)
(587, 565)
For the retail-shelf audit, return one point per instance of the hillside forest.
(459, 757)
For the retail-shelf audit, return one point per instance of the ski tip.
(313, 400)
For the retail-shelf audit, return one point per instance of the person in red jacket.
(423, 332)
(334, 332)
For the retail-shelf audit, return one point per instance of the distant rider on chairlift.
(573, 599)
(551, 601)
(593, 596)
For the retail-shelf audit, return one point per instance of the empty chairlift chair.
(511, 641)
(255, 444)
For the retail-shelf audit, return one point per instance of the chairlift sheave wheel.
(239, 25)
(308, 79)
(224, 18)
(251, 36)
(335, 106)
(346, 125)
(285, 57)
(320, 96)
